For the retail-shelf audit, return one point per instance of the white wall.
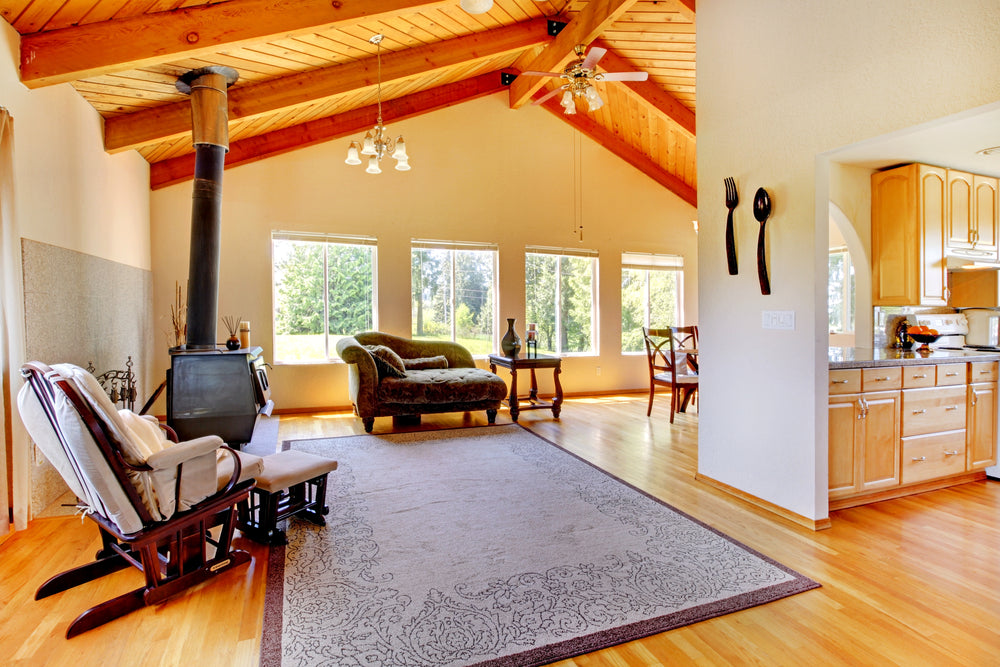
(481, 172)
(68, 193)
(779, 83)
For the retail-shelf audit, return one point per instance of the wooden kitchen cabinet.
(908, 236)
(960, 220)
(904, 429)
(981, 436)
(971, 219)
(863, 442)
(986, 191)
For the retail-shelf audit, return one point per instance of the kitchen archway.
(844, 231)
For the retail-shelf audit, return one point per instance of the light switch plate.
(777, 319)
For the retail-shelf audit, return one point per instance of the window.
(651, 295)
(840, 294)
(561, 298)
(324, 289)
(453, 288)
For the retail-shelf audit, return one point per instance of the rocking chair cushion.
(83, 466)
(142, 443)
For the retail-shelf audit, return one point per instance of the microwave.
(984, 327)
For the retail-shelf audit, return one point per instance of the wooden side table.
(520, 362)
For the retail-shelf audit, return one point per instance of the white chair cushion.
(83, 466)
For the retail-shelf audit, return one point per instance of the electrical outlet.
(598, 370)
(777, 319)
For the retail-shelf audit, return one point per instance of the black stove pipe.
(207, 87)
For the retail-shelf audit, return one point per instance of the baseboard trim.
(788, 515)
(901, 491)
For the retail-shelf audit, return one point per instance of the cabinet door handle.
(950, 407)
(953, 453)
(950, 375)
(917, 459)
(974, 396)
(919, 377)
(882, 379)
(920, 411)
(986, 372)
(839, 381)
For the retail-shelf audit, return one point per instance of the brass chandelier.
(377, 142)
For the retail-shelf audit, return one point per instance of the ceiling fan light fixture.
(594, 101)
(476, 6)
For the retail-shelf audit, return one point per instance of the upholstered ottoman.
(290, 483)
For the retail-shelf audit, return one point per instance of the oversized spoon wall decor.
(761, 211)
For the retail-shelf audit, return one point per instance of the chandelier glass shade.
(377, 142)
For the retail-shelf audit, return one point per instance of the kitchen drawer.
(932, 456)
(918, 376)
(951, 374)
(983, 371)
(933, 409)
(845, 381)
(881, 379)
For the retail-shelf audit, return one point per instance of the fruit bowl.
(923, 338)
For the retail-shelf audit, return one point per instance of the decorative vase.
(510, 344)
(233, 343)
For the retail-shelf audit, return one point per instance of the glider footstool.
(291, 483)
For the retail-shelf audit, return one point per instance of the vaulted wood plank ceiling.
(308, 72)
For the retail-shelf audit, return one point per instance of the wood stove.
(210, 390)
(217, 392)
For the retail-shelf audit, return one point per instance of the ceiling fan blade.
(533, 73)
(551, 93)
(625, 76)
(595, 54)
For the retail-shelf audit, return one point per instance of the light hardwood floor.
(914, 581)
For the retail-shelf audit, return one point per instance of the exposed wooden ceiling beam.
(686, 8)
(174, 120)
(583, 29)
(636, 158)
(660, 100)
(69, 54)
(252, 149)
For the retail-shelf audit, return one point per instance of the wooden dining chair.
(668, 365)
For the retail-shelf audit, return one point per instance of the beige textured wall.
(481, 172)
(781, 82)
(87, 311)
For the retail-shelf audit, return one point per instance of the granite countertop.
(866, 357)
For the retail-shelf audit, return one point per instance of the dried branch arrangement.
(178, 317)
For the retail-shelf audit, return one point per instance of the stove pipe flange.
(210, 132)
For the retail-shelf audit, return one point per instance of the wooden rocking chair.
(149, 516)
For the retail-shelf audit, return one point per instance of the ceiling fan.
(580, 75)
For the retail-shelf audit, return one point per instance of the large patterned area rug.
(492, 546)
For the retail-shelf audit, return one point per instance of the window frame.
(327, 239)
(848, 310)
(595, 328)
(642, 261)
(463, 246)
